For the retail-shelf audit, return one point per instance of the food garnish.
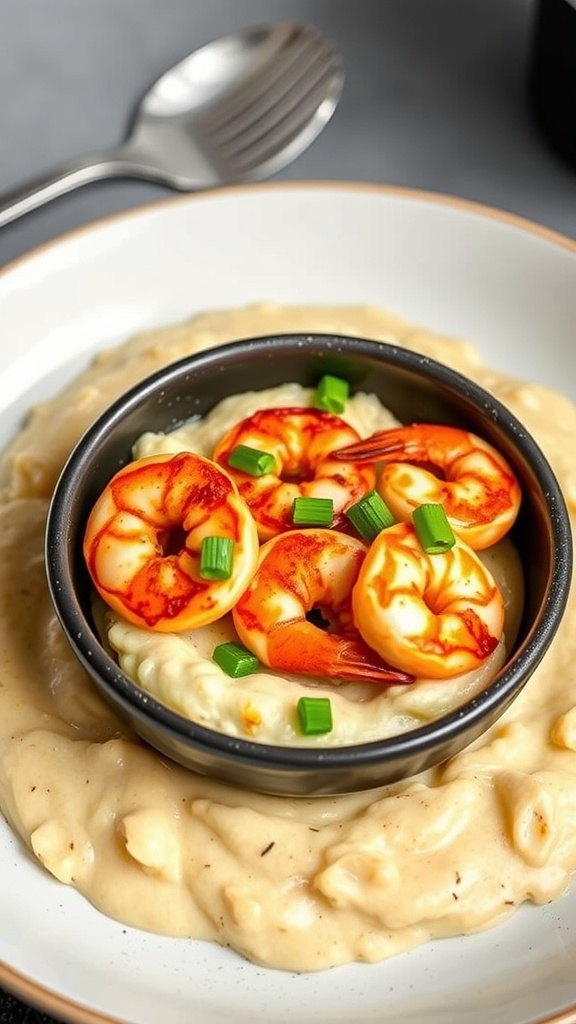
(313, 511)
(370, 515)
(332, 394)
(251, 460)
(433, 529)
(234, 659)
(216, 557)
(315, 715)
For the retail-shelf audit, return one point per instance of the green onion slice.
(216, 555)
(332, 394)
(370, 516)
(315, 714)
(313, 511)
(235, 659)
(251, 460)
(433, 529)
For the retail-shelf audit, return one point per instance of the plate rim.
(141, 210)
(46, 1000)
(16, 983)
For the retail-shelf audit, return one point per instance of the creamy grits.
(178, 668)
(292, 884)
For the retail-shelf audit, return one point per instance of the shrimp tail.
(356, 662)
(407, 443)
(324, 654)
(384, 442)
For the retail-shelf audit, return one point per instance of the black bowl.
(415, 388)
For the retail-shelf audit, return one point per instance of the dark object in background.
(553, 74)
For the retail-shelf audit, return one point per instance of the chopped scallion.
(315, 714)
(313, 512)
(251, 460)
(235, 659)
(370, 516)
(332, 394)
(216, 555)
(433, 529)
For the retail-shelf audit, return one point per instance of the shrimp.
(301, 441)
(477, 487)
(301, 572)
(143, 539)
(433, 615)
(427, 462)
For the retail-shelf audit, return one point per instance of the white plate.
(456, 268)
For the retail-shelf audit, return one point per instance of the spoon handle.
(112, 163)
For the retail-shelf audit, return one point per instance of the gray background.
(435, 98)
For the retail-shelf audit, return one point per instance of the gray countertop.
(435, 98)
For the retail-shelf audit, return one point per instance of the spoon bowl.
(239, 109)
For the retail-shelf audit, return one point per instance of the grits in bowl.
(178, 668)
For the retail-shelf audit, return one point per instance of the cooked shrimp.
(301, 572)
(433, 615)
(301, 441)
(477, 487)
(144, 535)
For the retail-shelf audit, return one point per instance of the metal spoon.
(239, 109)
